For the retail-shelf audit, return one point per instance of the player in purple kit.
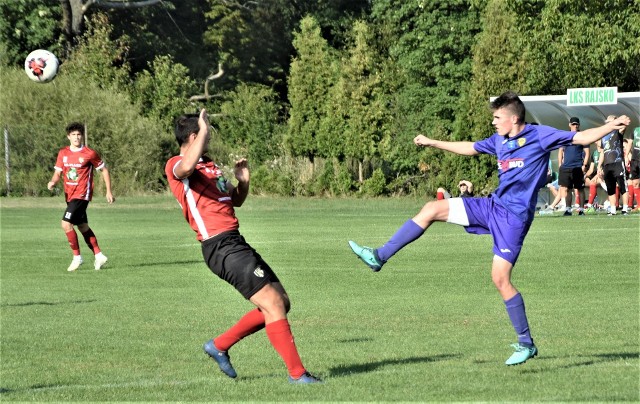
(523, 154)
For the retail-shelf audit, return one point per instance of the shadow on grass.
(345, 370)
(25, 304)
(588, 360)
(354, 340)
(162, 264)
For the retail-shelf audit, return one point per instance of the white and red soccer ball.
(41, 66)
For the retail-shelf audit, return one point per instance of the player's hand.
(241, 171)
(203, 124)
(621, 122)
(422, 140)
(110, 198)
(50, 185)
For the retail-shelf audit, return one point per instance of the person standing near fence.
(75, 165)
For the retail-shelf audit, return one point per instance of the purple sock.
(405, 235)
(518, 317)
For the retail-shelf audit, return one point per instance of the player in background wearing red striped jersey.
(208, 200)
(75, 164)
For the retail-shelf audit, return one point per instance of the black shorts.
(634, 174)
(571, 178)
(614, 174)
(76, 212)
(230, 257)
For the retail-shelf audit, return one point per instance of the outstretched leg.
(411, 230)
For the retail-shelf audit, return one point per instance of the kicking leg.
(411, 230)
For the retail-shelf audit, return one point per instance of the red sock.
(73, 242)
(578, 201)
(636, 191)
(617, 197)
(91, 241)
(632, 192)
(440, 196)
(279, 333)
(592, 193)
(250, 323)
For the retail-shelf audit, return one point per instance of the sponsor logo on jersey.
(259, 272)
(505, 250)
(505, 165)
(72, 174)
(221, 184)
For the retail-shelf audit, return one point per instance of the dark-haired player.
(208, 200)
(75, 164)
(523, 154)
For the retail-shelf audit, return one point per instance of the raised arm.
(240, 192)
(589, 136)
(196, 148)
(463, 148)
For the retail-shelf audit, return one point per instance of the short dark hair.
(512, 102)
(75, 126)
(185, 125)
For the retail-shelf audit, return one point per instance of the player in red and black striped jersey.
(208, 201)
(75, 165)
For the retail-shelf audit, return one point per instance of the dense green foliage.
(320, 95)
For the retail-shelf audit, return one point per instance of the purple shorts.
(508, 231)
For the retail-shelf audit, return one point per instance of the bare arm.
(592, 167)
(560, 156)
(107, 182)
(585, 162)
(192, 155)
(240, 192)
(589, 136)
(54, 179)
(463, 148)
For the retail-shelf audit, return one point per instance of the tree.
(163, 90)
(427, 70)
(250, 122)
(100, 58)
(74, 11)
(310, 78)
(26, 25)
(367, 118)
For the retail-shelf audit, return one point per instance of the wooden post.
(6, 160)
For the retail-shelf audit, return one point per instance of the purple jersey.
(522, 165)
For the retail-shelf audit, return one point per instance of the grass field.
(429, 327)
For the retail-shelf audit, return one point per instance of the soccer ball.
(41, 66)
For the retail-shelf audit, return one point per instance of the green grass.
(429, 327)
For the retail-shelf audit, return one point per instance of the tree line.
(323, 97)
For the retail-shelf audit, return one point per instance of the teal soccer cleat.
(367, 255)
(221, 357)
(521, 354)
(306, 378)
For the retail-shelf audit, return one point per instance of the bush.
(374, 185)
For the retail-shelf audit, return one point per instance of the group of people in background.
(614, 165)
